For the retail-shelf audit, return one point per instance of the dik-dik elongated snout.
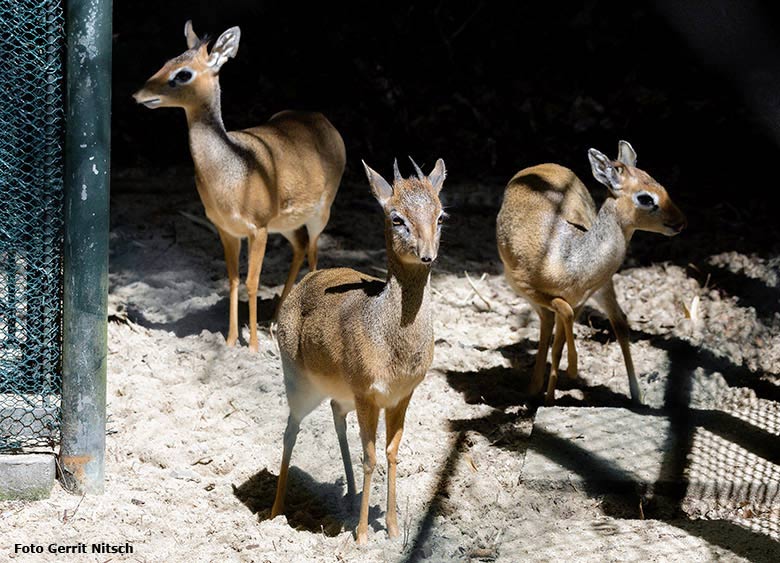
(191, 79)
(674, 222)
(650, 205)
(428, 243)
(414, 221)
(415, 231)
(185, 81)
(157, 92)
(644, 204)
(413, 212)
(148, 97)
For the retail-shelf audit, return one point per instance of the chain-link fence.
(31, 225)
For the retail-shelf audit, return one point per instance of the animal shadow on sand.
(211, 319)
(503, 387)
(320, 508)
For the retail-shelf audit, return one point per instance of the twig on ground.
(66, 517)
(272, 333)
(203, 461)
(476, 291)
(235, 409)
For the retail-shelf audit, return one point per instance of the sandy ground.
(195, 428)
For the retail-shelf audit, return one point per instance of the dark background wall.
(489, 86)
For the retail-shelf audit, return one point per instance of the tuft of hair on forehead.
(202, 42)
(202, 46)
(412, 184)
(415, 193)
(197, 52)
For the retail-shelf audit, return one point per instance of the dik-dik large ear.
(190, 35)
(379, 187)
(225, 47)
(604, 171)
(437, 175)
(626, 153)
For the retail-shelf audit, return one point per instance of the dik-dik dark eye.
(645, 200)
(181, 77)
(440, 220)
(397, 221)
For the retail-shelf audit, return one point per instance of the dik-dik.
(558, 250)
(280, 177)
(366, 343)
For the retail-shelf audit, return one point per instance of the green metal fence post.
(87, 137)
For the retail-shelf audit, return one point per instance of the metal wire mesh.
(31, 224)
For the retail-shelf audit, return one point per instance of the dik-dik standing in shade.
(558, 250)
(364, 342)
(280, 177)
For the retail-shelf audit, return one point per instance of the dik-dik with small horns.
(280, 177)
(364, 342)
(558, 251)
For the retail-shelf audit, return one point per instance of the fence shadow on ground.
(497, 387)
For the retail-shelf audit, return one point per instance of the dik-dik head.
(642, 202)
(191, 78)
(413, 212)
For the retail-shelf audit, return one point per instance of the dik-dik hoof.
(362, 538)
(533, 387)
(253, 346)
(392, 531)
(231, 341)
(638, 398)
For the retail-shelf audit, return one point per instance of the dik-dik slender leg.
(394, 427)
(256, 255)
(547, 320)
(290, 437)
(312, 253)
(607, 299)
(564, 317)
(302, 399)
(315, 228)
(297, 240)
(232, 247)
(368, 416)
(558, 341)
(340, 422)
(571, 351)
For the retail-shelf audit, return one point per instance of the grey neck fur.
(603, 247)
(408, 283)
(207, 133)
